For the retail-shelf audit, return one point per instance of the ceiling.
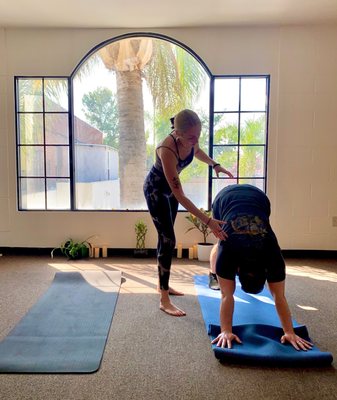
(164, 14)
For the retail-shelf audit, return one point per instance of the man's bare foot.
(172, 292)
(171, 309)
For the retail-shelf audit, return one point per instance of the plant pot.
(204, 251)
(83, 252)
(140, 253)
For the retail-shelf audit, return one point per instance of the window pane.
(97, 177)
(253, 94)
(31, 129)
(56, 95)
(58, 194)
(57, 161)
(30, 95)
(32, 193)
(219, 184)
(116, 135)
(259, 183)
(226, 128)
(36, 130)
(57, 128)
(253, 128)
(31, 161)
(227, 157)
(251, 141)
(194, 181)
(226, 94)
(251, 163)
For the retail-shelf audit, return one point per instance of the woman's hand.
(225, 339)
(217, 228)
(297, 342)
(219, 168)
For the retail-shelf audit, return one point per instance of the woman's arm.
(202, 156)
(169, 162)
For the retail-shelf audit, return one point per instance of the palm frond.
(191, 75)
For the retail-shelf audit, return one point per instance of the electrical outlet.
(334, 221)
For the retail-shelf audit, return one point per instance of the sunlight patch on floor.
(99, 278)
(262, 298)
(139, 277)
(76, 266)
(310, 272)
(307, 308)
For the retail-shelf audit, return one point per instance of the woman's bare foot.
(171, 309)
(172, 292)
(168, 307)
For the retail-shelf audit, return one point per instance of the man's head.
(251, 282)
(251, 269)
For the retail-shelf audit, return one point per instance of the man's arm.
(226, 314)
(283, 311)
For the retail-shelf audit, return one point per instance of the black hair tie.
(172, 122)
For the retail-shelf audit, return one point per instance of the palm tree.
(173, 83)
(251, 157)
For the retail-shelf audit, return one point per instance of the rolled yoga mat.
(256, 322)
(67, 329)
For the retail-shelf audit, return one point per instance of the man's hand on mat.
(225, 339)
(297, 342)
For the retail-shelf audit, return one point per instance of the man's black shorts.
(253, 252)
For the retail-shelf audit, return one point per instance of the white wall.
(302, 162)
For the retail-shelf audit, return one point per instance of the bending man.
(251, 251)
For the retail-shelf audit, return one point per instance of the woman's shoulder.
(168, 141)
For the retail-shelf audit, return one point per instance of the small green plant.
(141, 231)
(203, 228)
(74, 250)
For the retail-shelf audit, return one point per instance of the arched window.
(124, 96)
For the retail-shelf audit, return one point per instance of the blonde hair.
(185, 120)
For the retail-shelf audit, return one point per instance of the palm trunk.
(132, 144)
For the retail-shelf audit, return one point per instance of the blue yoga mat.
(256, 322)
(66, 330)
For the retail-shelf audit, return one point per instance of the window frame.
(212, 146)
(71, 124)
(45, 145)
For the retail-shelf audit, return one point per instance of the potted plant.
(74, 250)
(141, 231)
(204, 247)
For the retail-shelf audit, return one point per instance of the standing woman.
(163, 193)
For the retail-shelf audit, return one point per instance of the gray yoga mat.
(66, 330)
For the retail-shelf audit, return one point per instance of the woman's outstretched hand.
(217, 228)
(219, 169)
